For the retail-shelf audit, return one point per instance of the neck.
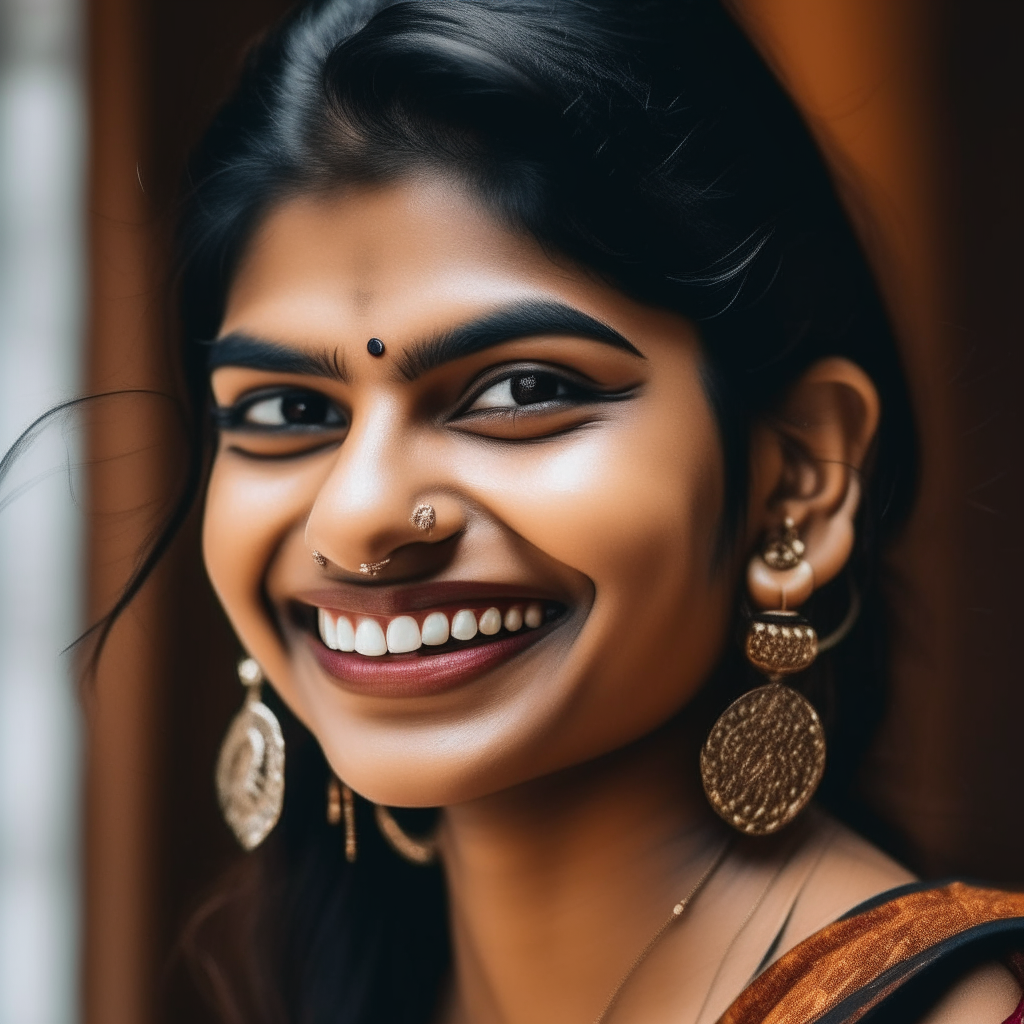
(555, 886)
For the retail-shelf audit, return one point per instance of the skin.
(573, 813)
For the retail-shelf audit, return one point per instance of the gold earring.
(250, 768)
(785, 549)
(765, 756)
(420, 851)
(341, 805)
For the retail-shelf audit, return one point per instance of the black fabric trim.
(984, 943)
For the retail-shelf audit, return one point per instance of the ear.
(806, 460)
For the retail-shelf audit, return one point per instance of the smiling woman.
(543, 368)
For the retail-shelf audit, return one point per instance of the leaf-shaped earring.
(250, 768)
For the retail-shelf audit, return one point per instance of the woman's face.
(558, 429)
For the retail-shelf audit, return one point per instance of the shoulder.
(988, 995)
(850, 872)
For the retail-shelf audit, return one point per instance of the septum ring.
(366, 568)
(423, 517)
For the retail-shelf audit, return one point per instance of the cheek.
(634, 506)
(249, 513)
(624, 502)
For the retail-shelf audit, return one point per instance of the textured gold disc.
(763, 759)
(250, 773)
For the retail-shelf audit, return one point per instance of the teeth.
(403, 635)
(370, 639)
(435, 629)
(345, 634)
(464, 625)
(490, 622)
(327, 631)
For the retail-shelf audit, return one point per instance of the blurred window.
(41, 281)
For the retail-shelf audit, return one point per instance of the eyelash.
(567, 391)
(233, 417)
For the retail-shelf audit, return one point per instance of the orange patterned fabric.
(833, 964)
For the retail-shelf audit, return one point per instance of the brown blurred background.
(920, 106)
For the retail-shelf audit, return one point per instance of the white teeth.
(464, 625)
(435, 629)
(403, 635)
(345, 634)
(490, 622)
(370, 639)
(327, 631)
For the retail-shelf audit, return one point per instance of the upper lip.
(396, 600)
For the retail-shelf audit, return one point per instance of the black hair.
(645, 140)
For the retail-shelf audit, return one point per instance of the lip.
(422, 674)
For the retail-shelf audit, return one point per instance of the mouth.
(427, 650)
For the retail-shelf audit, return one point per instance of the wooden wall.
(919, 105)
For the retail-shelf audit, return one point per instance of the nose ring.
(423, 517)
(373, 568)
(318, 558)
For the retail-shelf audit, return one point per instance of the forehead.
(374, 258)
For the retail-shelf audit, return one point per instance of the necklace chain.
(677, 912)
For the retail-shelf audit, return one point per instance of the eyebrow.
(508, 323)
(239, 349)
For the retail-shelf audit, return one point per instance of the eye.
(530, 388)
(283, 410)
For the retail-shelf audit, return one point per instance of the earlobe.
(828, 544)
(812, 453)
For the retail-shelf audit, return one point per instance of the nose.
(370, 509)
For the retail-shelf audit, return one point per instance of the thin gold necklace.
(677, 912)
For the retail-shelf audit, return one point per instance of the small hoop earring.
(839, 634)
(341, 806)
(765, 755)
(422, 851)
(423, 517)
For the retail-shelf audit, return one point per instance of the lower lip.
(420, 674)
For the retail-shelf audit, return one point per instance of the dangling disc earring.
(250, 768)
(765, 756)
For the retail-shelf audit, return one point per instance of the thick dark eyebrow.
(508, 323)
(239, 349)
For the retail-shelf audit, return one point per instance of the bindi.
(375, 347)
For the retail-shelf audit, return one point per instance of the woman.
(548, 380)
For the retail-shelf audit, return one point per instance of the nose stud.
(423, 517)
(373, 568)
(319, 559)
